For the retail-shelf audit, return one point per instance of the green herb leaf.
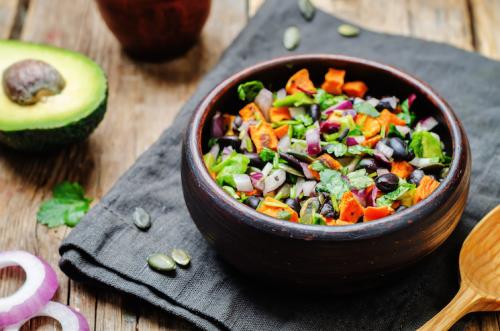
(359, 179)
(359, 150)
(394, 132)
(336, 148)
(332, 183)
(326, 100)
(299, 131)
(294, 100)
(355, 132)
(318, 166)
(305, 119)
(348, 31)
(307, 9)
(249, 90)
(366, 108)
(67, 206)
(291, 38)
(426, 145)
(406, 115)
(389, 198)
(266, 155)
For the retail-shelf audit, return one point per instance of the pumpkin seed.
(348, 31)
(291, 38)
(141, 219)
(307, 9)
(161, 262)
(181, 257)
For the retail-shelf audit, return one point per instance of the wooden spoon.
(480, 273)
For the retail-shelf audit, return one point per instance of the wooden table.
(144, 99)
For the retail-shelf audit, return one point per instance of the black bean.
(255, 160)
(343, 134)
(292, 160)
(314, 112)
(369, 164)
(387, 103)
(294, 204)
(327, 210)
(416, 176)
(232, 141)
(253, 201)
(400, 149)
(387, 183)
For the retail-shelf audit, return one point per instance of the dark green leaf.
(406, 115)
(58, 211)
(359, 179)
(336, 148)
(359, 150)
(389, 198)
(332, 183)
(67, 190)
(249, 90)
(266, 155)
(318, 166)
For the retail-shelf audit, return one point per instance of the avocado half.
(59, 119)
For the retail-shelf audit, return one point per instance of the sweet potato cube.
(277, 114)
(374, 213)
(350, 208)
(330, 162)
(251, 112)
(401, 169)
(425, 188)
(262, 136)
(355, 89)
(300, 82)
(334, 80)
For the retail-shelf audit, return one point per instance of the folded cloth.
(107, 248)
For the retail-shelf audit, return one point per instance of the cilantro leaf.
(359, 150)
(67, 206)
(249, 90)
(336, 148)
(359, 179)
(294, 100)
(366, 108)
(332, 183)
(318, 166)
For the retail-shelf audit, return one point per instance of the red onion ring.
(69, 318)
(40, 285)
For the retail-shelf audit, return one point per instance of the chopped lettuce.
(294, 100)
(426, 145)
(366, 108)
(249, 90)
(389, 198)
(234, 164)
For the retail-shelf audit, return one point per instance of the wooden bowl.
(334, 258)
(155, 29)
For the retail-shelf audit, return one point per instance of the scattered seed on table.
(348, 31)
(161, 262)
(181, 257)
(141, 219)
(307, 9)
(291, 38)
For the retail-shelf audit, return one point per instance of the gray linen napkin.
(107, 248)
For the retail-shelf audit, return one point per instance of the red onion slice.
(280, 94)
(257, 179)
(384, 149)
(426, 124)
(305, 169)
(329, 127)
(284, 143)
(215, 151)
(404, 130)
(243, 182)
(70, 319)
(343, 105)
(40, 285)
(312, 139)
(264, 101)
(308, 187)
(411, 99)
(371, 200)
(274, 180)
(217, 125)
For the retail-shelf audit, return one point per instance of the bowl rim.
(363, 230)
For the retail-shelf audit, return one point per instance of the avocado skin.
(43, 140)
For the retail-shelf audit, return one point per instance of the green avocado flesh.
(60, 119)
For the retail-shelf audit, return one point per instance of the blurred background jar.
(155, 29)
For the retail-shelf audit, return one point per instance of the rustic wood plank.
(8, 12)
(486, 23)
(135, 119)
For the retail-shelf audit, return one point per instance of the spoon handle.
(464, 302)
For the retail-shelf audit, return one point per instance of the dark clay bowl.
(333, 258)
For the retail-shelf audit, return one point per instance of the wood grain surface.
(137, 116)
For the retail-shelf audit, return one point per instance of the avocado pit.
(26, 82)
